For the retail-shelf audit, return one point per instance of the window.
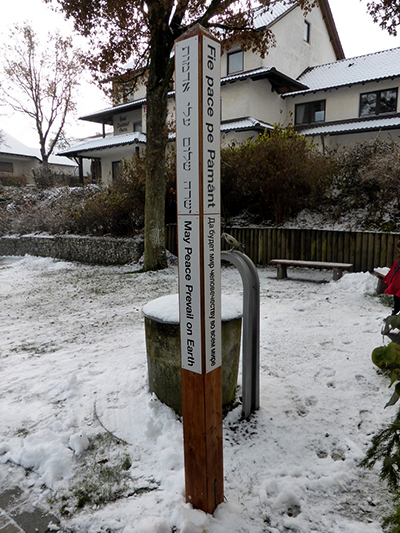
(310, 112)
(235, 62)
(378, 102)
(116, 170)
(307, 28)
(137, 126)
(6, 167)
(95, 168)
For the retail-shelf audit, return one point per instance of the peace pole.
(197, 67)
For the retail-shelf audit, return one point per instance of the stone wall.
(92, 250)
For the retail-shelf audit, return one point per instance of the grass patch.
(386, 300)
(102, 476)
(35, 349)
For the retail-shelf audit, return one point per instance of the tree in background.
(143, 32)
(386, 13)
(40, 82)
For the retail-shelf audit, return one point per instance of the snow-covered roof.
(374, 124)
(260, 71)
(244, 124)
(105, 116)
(370, 67)
(279, 81)
(101, 143)
(239, 124)
(13, 147)
(265, 16)
(114, 141)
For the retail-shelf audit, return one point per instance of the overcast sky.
(358, 34)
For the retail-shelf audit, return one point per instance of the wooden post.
(197, 60)
(80, 168)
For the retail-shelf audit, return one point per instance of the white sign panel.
(123, 124)
(187, 123)
(198, 173)
(190, 292)
(212, 291)
(211, 126)
(211, 202)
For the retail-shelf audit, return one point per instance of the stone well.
(161, 318)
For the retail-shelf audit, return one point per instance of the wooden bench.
(337, 268)
(380, 273)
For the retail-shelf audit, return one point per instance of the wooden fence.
(365, 250)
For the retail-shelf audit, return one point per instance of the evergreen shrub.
(274, 176)
(118, 209)
(367, 178)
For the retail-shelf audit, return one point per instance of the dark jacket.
(392, 279)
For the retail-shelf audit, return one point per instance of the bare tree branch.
(40, 82)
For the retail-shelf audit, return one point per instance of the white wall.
(344, 102)
(123, 122)
(292, 55)
(140, 92)
(255, 99)
(235, 100)
(347, 139)
(22, 167)
(116, 154)
(237, 137)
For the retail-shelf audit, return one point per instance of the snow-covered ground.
(78, 424)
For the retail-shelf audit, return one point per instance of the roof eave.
(280, 82)
(332, 30)
(78, 152)
(279, 17)
(106, 116)
(284, 84)
(25, 156)
(293, 94)
(366, 124)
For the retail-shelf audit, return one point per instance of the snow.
(382, 270)
(166, 309)
(370, 67)
(12, 146)
(74, 374)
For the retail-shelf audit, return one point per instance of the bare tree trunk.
(154, 226)
(159, 74)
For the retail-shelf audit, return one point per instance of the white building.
(305, 79)
(349, 101)
(18, 161)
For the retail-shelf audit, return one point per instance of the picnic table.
(282, 265)
(380, 273)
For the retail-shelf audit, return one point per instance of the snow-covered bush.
(25, 210)
(367, 177)
(7, 180)
(274, 176)
(45, 177)
(117, 209)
